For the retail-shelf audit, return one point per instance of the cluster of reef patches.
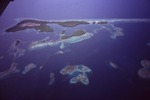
(115, 31)
(13, 69)
(77, 73)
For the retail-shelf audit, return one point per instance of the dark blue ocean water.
(106, 83)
